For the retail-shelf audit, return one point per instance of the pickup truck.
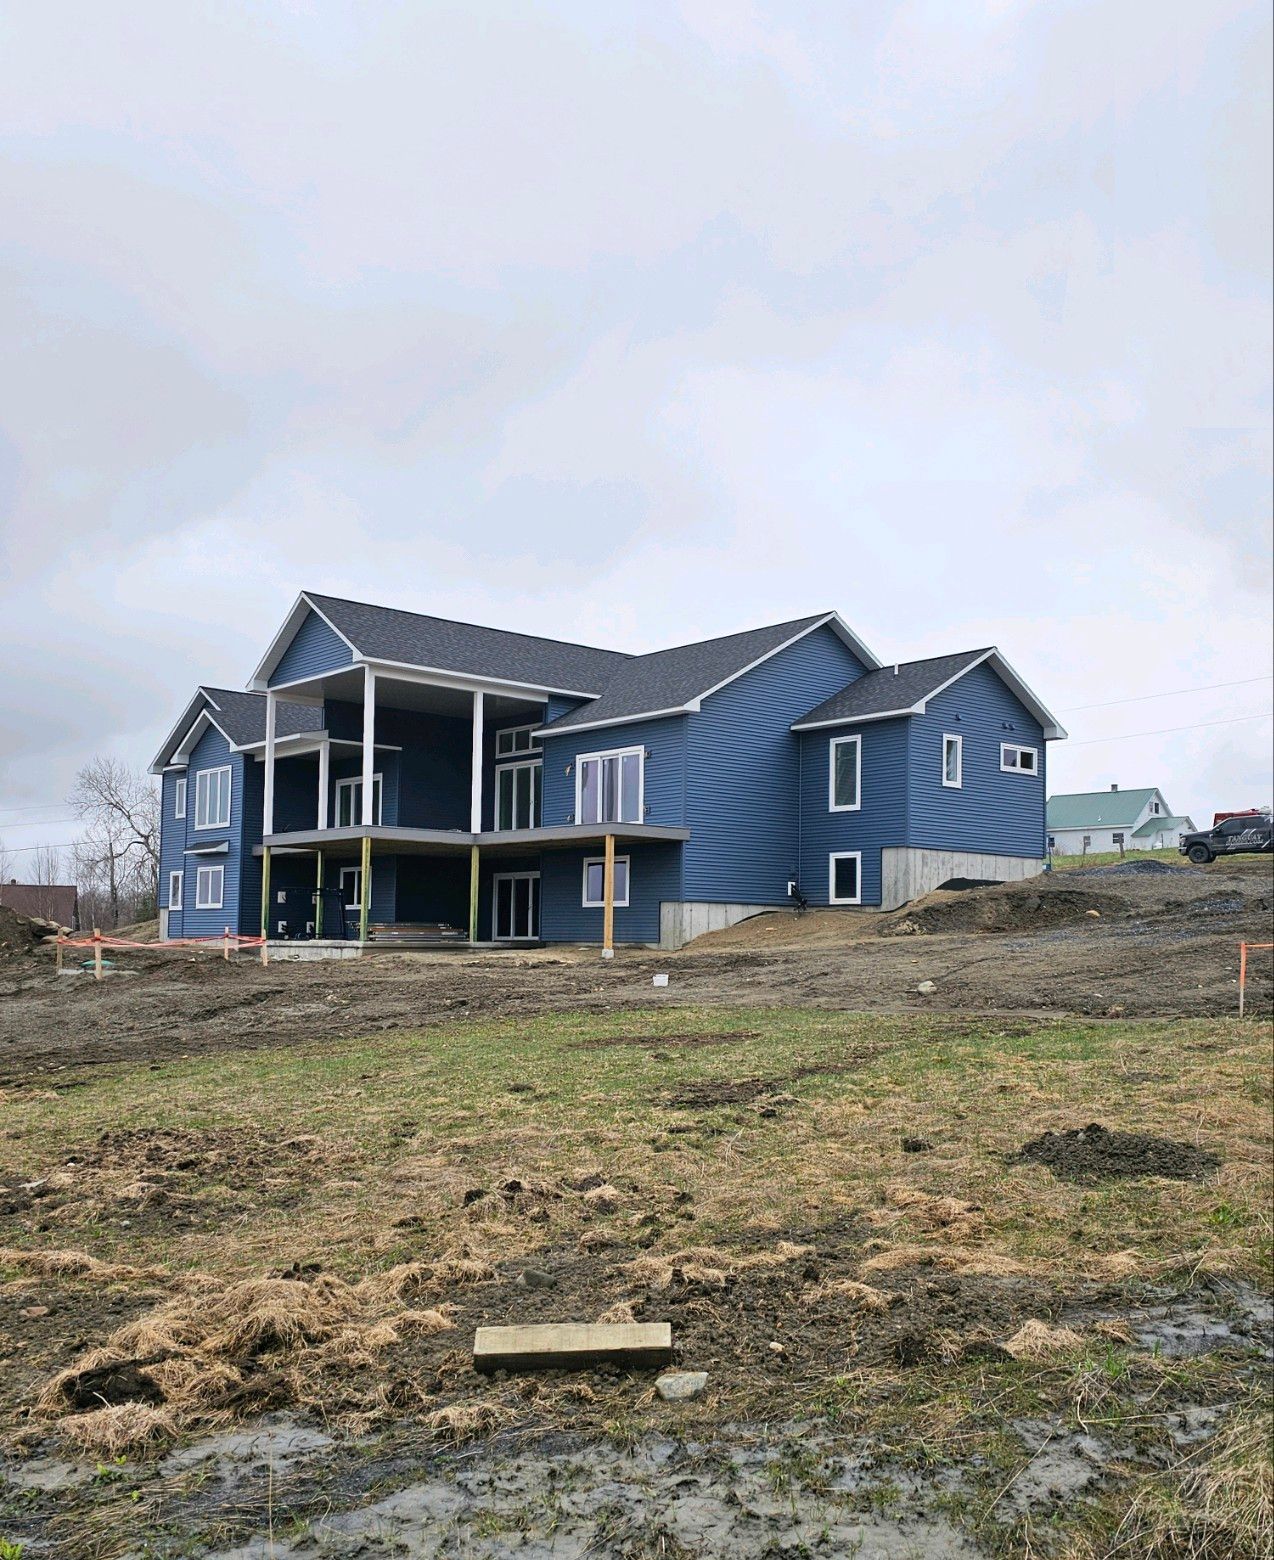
(1241, 835)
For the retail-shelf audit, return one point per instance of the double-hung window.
(212, 798)
(174, 891)
(609, 787)
(844, 779)
(595, 882)
(517, 795)
(953, 761)
(209, 887)
(349, 802)
(1019, 760)
(179, 797)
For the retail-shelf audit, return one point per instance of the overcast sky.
(638, 324)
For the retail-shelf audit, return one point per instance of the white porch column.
(369, 743)
(271, 713)
(324, 783)
(475, 793)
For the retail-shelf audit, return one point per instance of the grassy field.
(829, 1208)
(1112, 858)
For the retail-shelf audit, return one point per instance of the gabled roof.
(676, 681)
(435, 644)
(239, 717)
(907, 687)
(1100, 809)
(1156, 823)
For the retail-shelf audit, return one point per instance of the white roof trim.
(856, 720)
(1054, 731)
(163, 759)
(617, 720)
(301, 608)
(442, 677)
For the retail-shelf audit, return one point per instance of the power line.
(17, 850)
(34, 823)
(1163, 730)
(1168, 693)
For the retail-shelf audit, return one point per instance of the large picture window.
(609, 787)
(212, 798)
(595, 882)
(209, 887)
(845, 788)
(517, 796)
(349, 802)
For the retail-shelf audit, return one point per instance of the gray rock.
(679, 1385)
(926, 988)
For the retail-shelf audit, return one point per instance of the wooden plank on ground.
(565, 1345)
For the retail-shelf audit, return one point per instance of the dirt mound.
(1091, 1153)
(17, 935)
(1008, 907)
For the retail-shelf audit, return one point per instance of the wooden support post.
(97, 953)
(365, 888)
(473, 893)
(608, 899)
(318, 898)
(265, 892)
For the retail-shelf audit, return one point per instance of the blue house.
(394, 776)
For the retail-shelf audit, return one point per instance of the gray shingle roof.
(242, 716)
(413, 639)
(672, 679)
(890, 689)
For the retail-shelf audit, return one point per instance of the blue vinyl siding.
(741, 772)
(315, 648)
(994, 812)
(212, 751)
(665, 768)
(172, 844)
(654, 875)
(880, 820)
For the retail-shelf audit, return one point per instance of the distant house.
(48, 901)
(1086, 822)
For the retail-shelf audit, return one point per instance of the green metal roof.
(1154, 825)
(1097, 809)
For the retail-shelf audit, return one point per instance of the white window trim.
(587, 758)
(1015, 768)
(600, 904)
(511, 877)
(958, 783)
(378, 795)
(202, 903)
(179, 797)
(523, 761)
(844, 855)
(516, 752)
(219, 769)
(175, 879)
(832, 804)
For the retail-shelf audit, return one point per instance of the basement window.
(595, 882)
(1019, 760)
(844, 877)
(953, 761)
(209, 888)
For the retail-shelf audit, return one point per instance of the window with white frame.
(595, 882)
(179, 797)
(174, 890)
(844, 778)
(952, 761)
(844, 877)
(212, 798)
(349, 802)
(210, 885)
(517, 795)
(515, 739)
(609, 787)
(1019, 760)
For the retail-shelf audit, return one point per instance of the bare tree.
(117, 859)
(6, 864)
(45, 875)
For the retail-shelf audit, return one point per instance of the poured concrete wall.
(907, 873)
(679, 922)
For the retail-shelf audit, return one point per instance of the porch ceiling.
(426, 698)
(390, 841)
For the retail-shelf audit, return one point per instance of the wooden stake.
(608, 897)
(225, 945)
(1242, 976)
(59, 952)
(473, 893)
(97, 953)
(365, 895)
(265, 892)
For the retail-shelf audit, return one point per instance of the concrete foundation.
(907, 873)
(317, 948)
(682, 920)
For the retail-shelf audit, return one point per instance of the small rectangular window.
(844, 871)
(610, 787)
(515, 739)
(179, 797)
(174, 890)
(953, 761)
(1019, 760)
(595, 882)
(209, 887)
(844, 781)
(212, 798)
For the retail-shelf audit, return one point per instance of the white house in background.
(1087, 822)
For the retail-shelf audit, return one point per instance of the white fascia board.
(202, 721)
(301, 608)
(1054, 731)
(467, 682)
(856, 720)
(615, 720)
(312, 738)
(163, 759)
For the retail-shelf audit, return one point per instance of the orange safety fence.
(228, 941)
(1243, 953)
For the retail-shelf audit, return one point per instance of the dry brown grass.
(1036, 1340)
(123, 1428)
(465, 1421)
(75, 1264)
(863, 1295)
(954, 1259)
(708, 1265)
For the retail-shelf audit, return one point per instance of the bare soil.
(1089, 1154)
(1134, 941)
